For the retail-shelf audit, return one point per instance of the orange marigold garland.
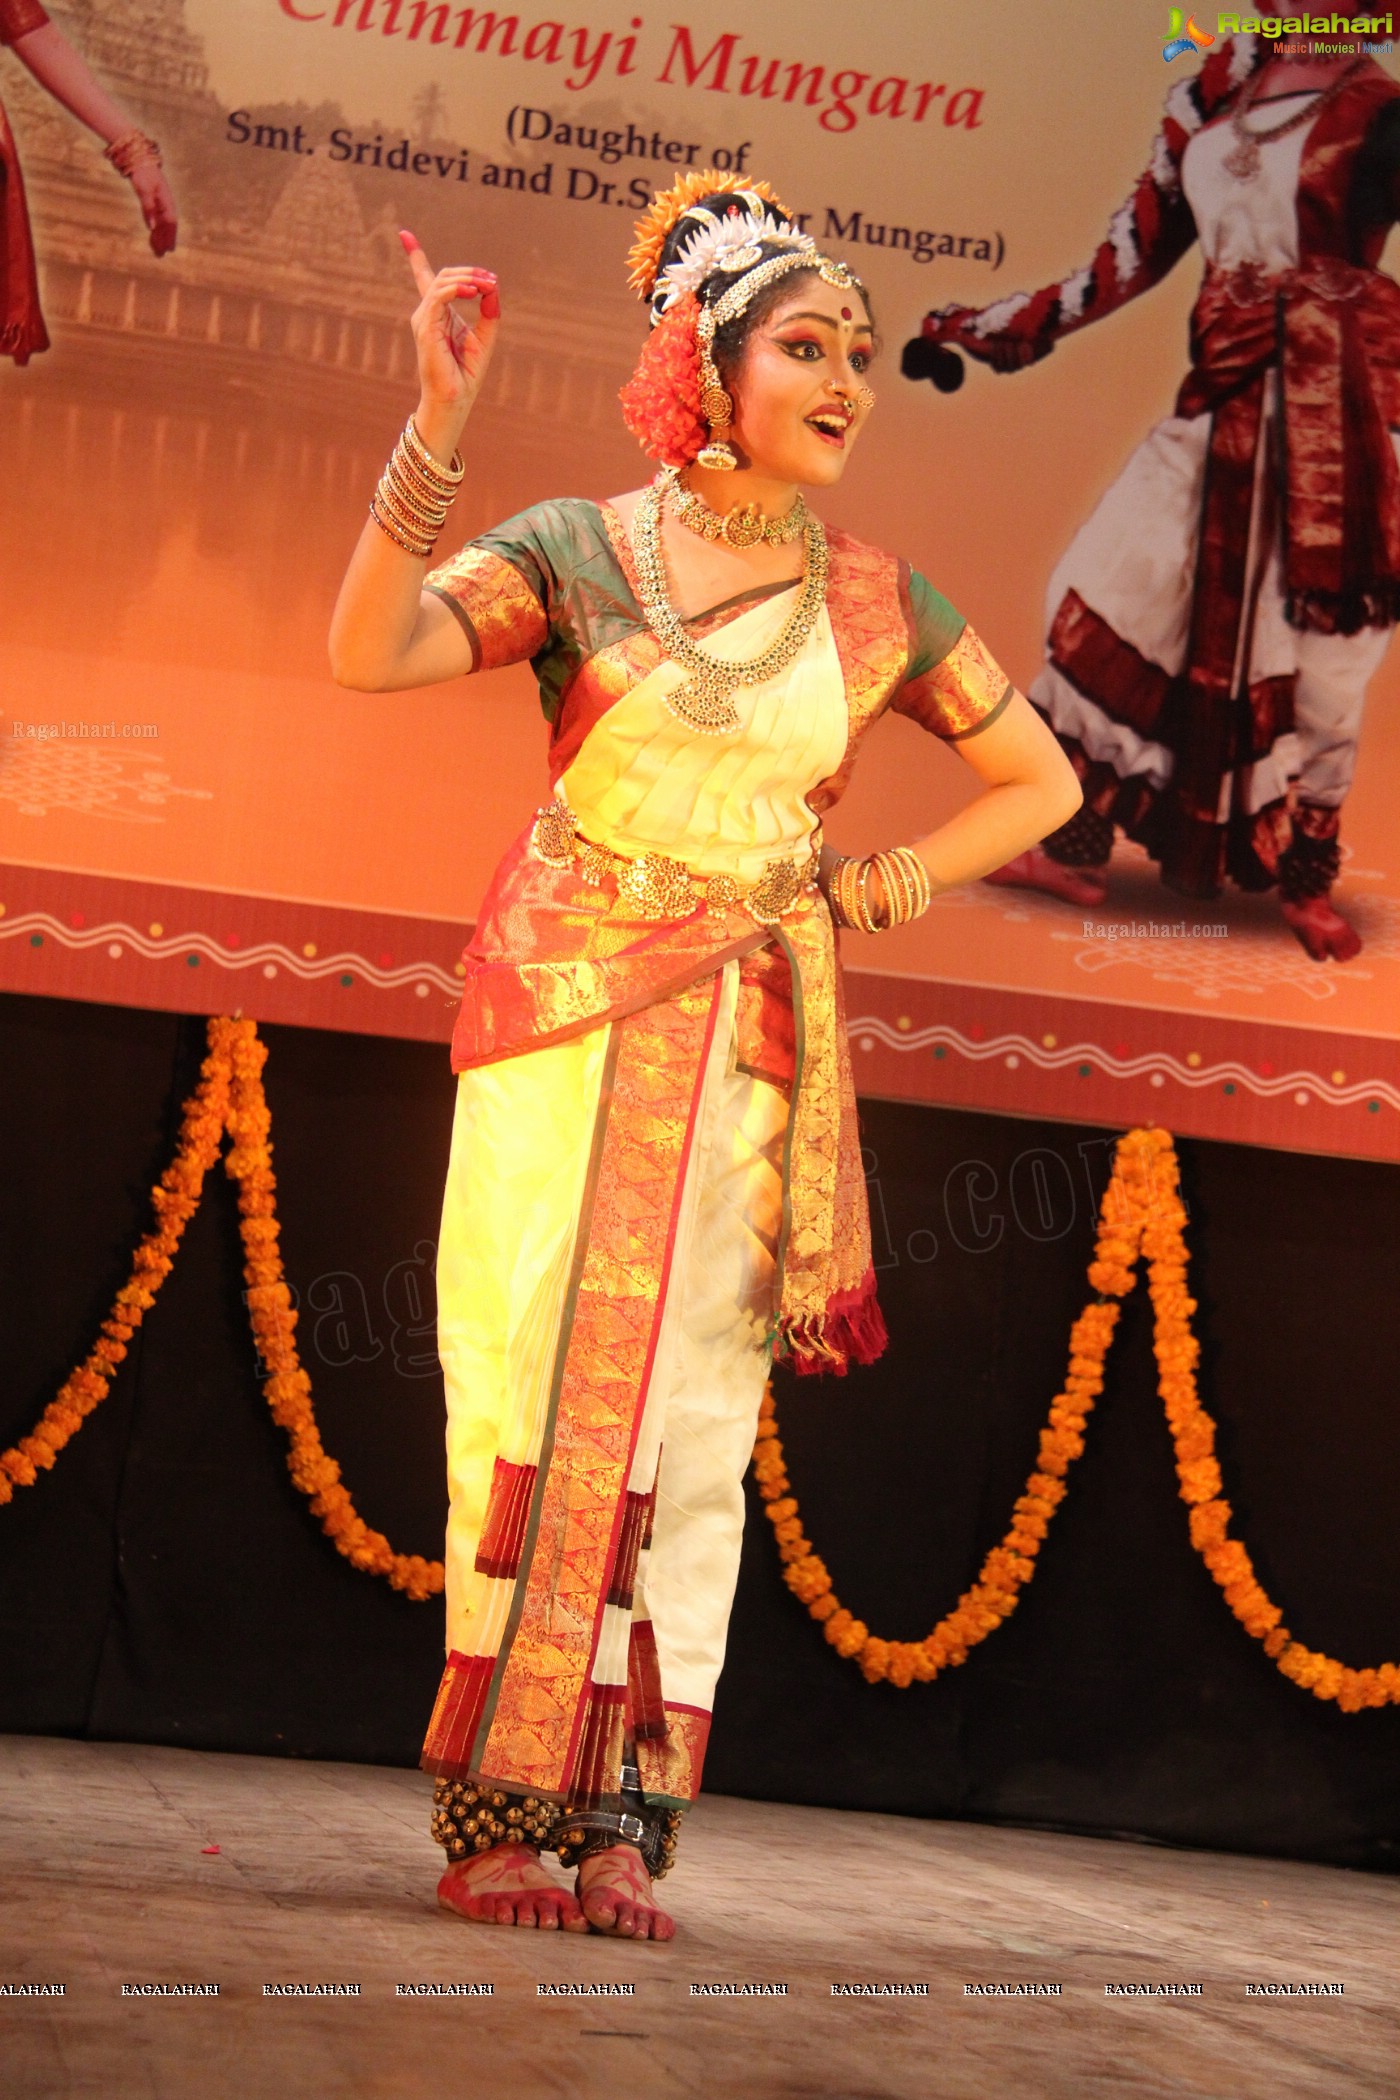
(175, 1199)
(1007, 1568)
(1193, 1433)
(1142, 1215)
(229, 1097)
(286, 1387)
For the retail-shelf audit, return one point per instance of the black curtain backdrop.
(167, 1583)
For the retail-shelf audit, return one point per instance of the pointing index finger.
(417, 260)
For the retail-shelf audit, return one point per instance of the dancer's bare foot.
(1321, 928)
(1035, 870)
(615, 1888)
(509, 1886)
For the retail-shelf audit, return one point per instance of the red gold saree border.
(531, 1730)
(670, 1767)
(456, 1715)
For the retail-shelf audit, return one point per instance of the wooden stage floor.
(324, 1875)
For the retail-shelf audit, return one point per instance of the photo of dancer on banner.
(1214, 625)
(60, 70)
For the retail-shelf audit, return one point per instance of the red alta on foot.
(616, 1892)
(509, 1885)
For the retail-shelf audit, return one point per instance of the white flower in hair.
(729, 242)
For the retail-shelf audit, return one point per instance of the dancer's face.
(801, 394)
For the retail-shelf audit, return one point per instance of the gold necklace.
(742, 525)
(1243, 160)
(705, 700)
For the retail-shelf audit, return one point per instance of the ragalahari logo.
(1190, 38)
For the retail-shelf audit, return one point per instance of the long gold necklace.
(705, 701)
(742, 525)
(1243, 161)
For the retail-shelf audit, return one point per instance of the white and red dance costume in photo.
(655, 1172)
(1213, 626)
(22, 329)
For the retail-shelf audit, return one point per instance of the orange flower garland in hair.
(1142, 1214)
(661, 401)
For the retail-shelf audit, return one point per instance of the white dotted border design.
(270, 956)
(1156, 1066)
(865, 1029)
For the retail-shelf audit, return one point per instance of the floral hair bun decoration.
(717, 241)
(675, 400)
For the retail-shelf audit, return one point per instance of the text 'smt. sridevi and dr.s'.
(583, 185)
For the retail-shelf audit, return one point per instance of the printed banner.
(204, 366)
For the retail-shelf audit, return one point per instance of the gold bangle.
(922, 881)
(925, 882)
(404, 468)
(404, 518)
(836, 887)
(448, 477)
(410, 545)
(865, 916)
(414, 491)
(904, 861)
(130, 149)
(880, 866)
(838, 868)
(385, 525)
(894, 884)
(901, 858)
(408, 536)
(411, 496)
(851, 895)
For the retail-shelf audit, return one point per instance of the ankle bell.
(469, 1818)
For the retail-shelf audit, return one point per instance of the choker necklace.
(742, 525)
(704, 701)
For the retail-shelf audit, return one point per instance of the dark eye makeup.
(799, 345)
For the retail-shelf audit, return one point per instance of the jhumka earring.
(715, 404)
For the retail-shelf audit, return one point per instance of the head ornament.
(669, 207)
(733, 239)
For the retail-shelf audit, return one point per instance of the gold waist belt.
(653, 886)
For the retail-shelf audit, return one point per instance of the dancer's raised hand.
(453, 353)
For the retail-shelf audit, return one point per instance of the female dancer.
(57, 67)
(1214, 625)
(655, 1175)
